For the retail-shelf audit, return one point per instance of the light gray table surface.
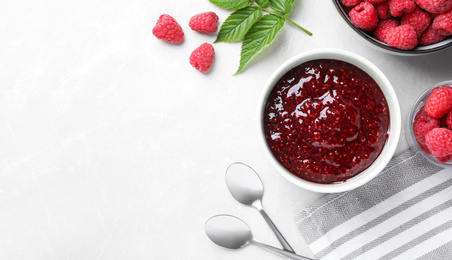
(113, 147)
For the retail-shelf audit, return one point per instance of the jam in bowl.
(329, 120)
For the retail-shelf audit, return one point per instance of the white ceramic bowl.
(394, 115)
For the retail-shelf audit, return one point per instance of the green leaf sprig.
(249, 23)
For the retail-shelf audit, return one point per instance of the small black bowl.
(418, 50)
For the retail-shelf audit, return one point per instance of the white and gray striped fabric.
(404, 213)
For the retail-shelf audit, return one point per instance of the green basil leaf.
(261, 2)
(238, 23)
(281, 6)
(231, 4)
(260, 35)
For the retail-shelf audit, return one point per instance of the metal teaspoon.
(247, 188)
(231, 232)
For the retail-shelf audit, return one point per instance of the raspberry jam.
(326, 121)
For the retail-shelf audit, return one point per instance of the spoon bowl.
(244, 183)
(228, 231)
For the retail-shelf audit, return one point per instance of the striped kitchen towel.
(404, 213)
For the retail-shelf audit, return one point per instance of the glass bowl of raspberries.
(430, 124)
(403, 27)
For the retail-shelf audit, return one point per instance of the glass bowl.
(374, 42)
(420, 102)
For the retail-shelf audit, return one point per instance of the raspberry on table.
(204, 22)
(202, 57)
(419, 19)
(443, 23)
(168, 29)
(402, 37)
(430, 36)
(399, 7)
(383, 27)
(350, 3)
(364, 16)
(435, 6)
(382, 9)
(439, 102)
(423, 124)
(439, 142)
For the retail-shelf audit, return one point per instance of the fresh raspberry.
(443, 23)
(383, 27)
(204, 22)
(382, 9)
(350, 3)
(402, 37)
(435, 6)
(430, 36)
(439, 102)
(399, 7)
(202, 57)
(444, 159)
(439, 141)
(168, 29)
(375, 1)
(364, 16)
(419, 19)
(423, 124)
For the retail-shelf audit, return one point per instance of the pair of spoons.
(231, 232)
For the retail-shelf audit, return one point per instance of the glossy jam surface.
(326, 121)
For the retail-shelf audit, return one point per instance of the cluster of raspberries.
(433, 123)
(403, 24)
(169, 30)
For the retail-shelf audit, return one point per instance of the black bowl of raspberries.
(404, 27)
(430, 124)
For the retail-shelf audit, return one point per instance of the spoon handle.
(278, 251)
(279, 236)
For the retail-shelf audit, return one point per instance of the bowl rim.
(419, 50)
(394, 111)
(413, 112)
